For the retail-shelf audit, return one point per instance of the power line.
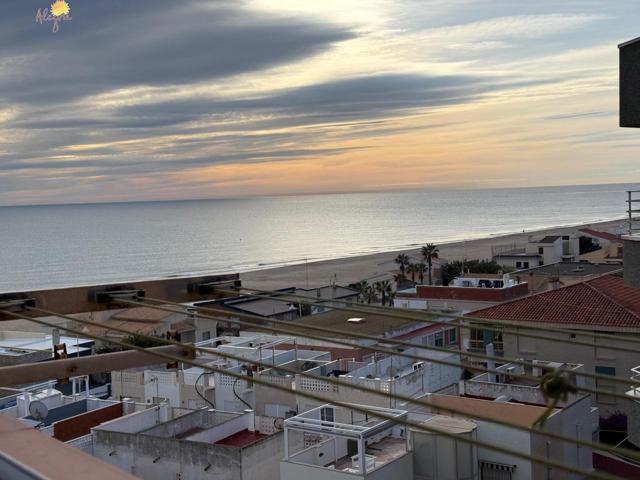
(359, 308)
(334, 381)
(614, 379)
(326, 400)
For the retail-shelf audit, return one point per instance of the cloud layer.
(131, 100)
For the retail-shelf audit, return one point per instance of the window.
(476, 339)
(518, 264)
(451, 336)
(541, 250)
(206, 335)
(526, 264)
(495, 471)
(326, 414)
(603, 387)
(566, 237)
(439, 338)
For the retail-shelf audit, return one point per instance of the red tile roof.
(604, 235)
(603, 302)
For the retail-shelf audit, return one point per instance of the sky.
(163, 100)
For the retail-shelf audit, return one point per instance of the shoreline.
(376, 266)
(371, 266)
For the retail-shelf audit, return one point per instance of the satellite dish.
(38, 410)
(278, 423)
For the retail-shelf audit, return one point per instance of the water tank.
(439, 457)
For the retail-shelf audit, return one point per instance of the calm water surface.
(46, 246)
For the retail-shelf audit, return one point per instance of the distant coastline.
(376, 266)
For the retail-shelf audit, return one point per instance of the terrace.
(343, 441)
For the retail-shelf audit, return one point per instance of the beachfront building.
(145, 321)
(341, 325)
(285, 309)
(561, 274)
(603, 305)
(194, 387)
(508, 384)
(200, 444)
(277, 403)
(611, 247)
(466, 292)
(634, 412)
(26, 347)
(331, 442)
(537, 252)
(393, 374)
(575, 420)
(67, 418)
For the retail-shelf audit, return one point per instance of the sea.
(65, 245)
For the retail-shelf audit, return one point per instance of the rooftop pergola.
(321, 420)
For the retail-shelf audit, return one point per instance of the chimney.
(631, 260)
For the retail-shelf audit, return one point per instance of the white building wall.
(506, 437)
(590, 356)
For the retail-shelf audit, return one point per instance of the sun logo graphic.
(60, 7)
(56, 14)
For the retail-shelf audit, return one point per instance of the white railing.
(84, 443)
(635, 390)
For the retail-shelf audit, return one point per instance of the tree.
(453, 269)
(402, 260)
(370, 294)
(421, 268)
(412, 270)
(430, 253)
(385, 290)
(135, 339)
(361, 287)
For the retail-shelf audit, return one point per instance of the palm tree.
(402, 260)
(385, 290)
(398, 278)
(370, 294)
(361, 287)
(412, 270)
(430, 252)
(421, 268)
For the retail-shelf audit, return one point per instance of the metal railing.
(633, 200)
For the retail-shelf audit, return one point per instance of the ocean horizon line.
(308, 194)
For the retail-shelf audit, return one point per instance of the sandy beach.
(378, 266)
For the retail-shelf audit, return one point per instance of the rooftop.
(143, 320)
(337, 320)
(516, 413)
(570, 269)
(241, 439)
(604, 302)
(272, 305)
(49, 457)
(603, 235)
(14, 343)
(548, 239)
